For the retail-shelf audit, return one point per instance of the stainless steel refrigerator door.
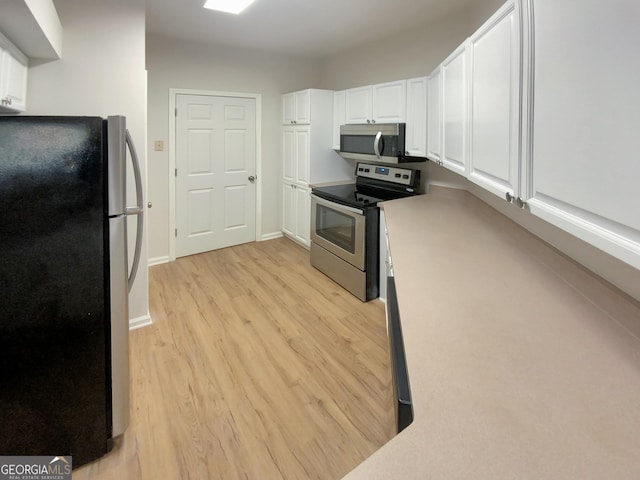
(119, 323)
(121, 280)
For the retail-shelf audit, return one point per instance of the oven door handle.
(336, 206)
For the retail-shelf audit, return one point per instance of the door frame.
(173, 93)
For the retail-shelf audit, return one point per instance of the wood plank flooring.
(257, 366)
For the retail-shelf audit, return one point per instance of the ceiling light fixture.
(229, 6)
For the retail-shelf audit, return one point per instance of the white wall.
(102, 72)
(179, 64)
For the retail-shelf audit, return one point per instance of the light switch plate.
(158, 145)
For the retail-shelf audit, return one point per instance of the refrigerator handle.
(137, 210)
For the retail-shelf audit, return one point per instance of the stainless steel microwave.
(375, 142)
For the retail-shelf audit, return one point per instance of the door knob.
(252, 178)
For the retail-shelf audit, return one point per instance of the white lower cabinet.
(296, 213)
(13, 77)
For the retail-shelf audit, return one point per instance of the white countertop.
(522, 365)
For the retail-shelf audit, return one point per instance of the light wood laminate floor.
(257, 366)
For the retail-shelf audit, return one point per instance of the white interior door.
(216, 169)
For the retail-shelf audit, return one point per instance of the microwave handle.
(376, 144)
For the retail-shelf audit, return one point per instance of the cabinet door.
(288, 209)
(358, 105)
(389, 102)
(303, 215)
(13, 79)
(434, 119)
(584, 164)
(454, 111)
(289, 154)
(494, 99)
(416, 134)
(339, 116)
(288, 108)
(302, 107)
(302, 150)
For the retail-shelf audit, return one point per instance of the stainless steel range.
(345, 222)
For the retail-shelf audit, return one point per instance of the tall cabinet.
(308, 157)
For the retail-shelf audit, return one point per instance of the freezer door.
(119, 304)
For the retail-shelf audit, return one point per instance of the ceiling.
(307, 28)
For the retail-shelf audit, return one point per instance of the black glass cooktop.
(357, 195)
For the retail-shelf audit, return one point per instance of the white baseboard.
(139, 322)
(270, 236)
(158, 261)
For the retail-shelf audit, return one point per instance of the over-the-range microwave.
(375, 142)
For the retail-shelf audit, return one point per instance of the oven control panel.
(401, 176)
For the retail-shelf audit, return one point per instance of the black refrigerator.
(64, 284)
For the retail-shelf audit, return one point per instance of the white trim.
(158, 261)
(614, 239)
(270, 236)
(173, 92)
(139, 322)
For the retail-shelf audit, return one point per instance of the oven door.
(339, 229)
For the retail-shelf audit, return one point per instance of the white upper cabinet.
(416, 133)
(389, 102)
(339, 116)
(582, 144)
(13, 78)
(303, 107)
(494, 103)
(381, 103)
(296, 108)
(434, 116)
(358, 105)
(454, 111)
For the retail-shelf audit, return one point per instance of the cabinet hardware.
(509, 198)
(520, 202)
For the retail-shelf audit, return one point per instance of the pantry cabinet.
(308, 158)
(494, 103)
(13, 78)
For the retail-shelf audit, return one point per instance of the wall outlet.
(158, 145)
